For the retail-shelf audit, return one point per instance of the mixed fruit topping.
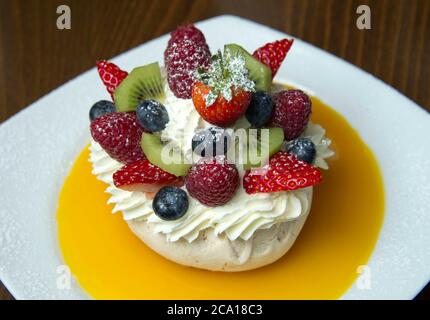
(231, 91)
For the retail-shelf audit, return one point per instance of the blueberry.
(211, 142)
(101, 108)
(170, 203)
(152, 115)
(260, 109)
(303, 149)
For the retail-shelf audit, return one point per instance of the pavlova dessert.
(210, 164)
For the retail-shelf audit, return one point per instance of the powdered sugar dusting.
(184, 54)
(225, 73)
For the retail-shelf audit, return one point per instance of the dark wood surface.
(36, 57)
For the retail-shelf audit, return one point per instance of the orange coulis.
(109, 262)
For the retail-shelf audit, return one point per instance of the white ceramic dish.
(38, 146)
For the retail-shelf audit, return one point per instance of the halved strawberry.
(283, 173)
(145, 177)
(272, 54)
(111, 75)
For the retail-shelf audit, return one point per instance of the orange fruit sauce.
(109, 262)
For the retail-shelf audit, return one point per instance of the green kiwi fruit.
(258, 72)
(153, 149)
(142, 83)
(276, 138)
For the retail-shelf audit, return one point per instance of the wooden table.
(36, 57)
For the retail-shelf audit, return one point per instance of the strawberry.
(292, 111)
(212, 181)
(223, 91)
(111, 75)
(283, 173)
(143, 176)
(221, 113)
(119, 134)
(272, 54)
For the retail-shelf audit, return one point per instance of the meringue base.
(218, 253)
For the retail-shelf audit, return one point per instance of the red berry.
(187, 31)
(213, 181)
(111, 75)
(272, 54)
(292, 111)
(186, 51)
(119, 134)
(283, 173)
(143, 176)
(221, 113)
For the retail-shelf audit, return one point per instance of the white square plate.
(38, 146)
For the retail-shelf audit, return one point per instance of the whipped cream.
(239, 218)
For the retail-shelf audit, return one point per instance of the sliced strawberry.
(111, 75)
(145, 177)
(283, 173)
(272, 54)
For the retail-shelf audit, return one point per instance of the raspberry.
(213, 181)
(272, 54)
(292, 111)
(186, 51)
(187, 31)
(283, 173)
(111, 75)
(119, 135)
(143, 176)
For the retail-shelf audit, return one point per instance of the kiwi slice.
(162, 156)
(141, 84)
(258, 143)
(258, 72)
